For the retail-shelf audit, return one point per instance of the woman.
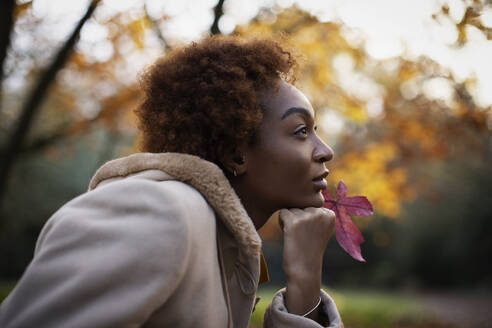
(168, 238)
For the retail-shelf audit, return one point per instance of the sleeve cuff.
(277, 315)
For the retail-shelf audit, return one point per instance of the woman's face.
(286, 166)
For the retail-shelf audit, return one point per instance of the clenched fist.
(306, 234)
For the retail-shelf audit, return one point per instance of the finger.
(330, 219)
(295, 214)
(329, 212)
(281, 222)
(283, 215)
(286, 217)
(312, 210)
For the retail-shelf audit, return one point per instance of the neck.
(257, 209)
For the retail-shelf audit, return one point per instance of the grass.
(378, 309)
(257, 316)
(5, 288)
(364, 309)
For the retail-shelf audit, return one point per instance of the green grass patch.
(365, 308)
(266, 295)
(5, 289)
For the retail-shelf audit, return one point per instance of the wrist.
(302, 274)
(311, 313)
(301, 299)
(307, 289)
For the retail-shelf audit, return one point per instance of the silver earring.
(234, 172)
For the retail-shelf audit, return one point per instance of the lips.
(319, 182)
(321, 176)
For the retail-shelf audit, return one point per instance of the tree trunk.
(6, 23)
(35, 99)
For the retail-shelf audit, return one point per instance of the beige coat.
(160, 240)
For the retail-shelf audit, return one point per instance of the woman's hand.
(306, 234)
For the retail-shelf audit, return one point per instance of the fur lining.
(204, 176)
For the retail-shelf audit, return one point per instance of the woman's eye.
(302, 131)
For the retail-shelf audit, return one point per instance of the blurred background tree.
(409, 132)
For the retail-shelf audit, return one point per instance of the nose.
(322, 152)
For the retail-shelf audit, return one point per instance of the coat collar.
(204, 176)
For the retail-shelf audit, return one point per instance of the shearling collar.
(204, 176)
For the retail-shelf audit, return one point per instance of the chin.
(320, 200)
(315, 200)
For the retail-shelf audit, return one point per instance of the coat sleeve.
(108, 258)
(276, 314)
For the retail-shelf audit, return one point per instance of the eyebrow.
(296, 110)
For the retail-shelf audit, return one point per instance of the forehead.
(285, 96)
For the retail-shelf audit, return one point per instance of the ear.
(236, 161)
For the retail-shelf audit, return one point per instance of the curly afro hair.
(203, 99)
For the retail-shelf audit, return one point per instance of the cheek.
(283, 167)
(281, 175)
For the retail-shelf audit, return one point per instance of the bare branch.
(46, 141)
(111, 108)
(35, 99)
(156, 28)
(218, 12)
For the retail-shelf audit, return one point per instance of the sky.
(389, 27)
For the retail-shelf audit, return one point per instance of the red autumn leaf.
(347, 233)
